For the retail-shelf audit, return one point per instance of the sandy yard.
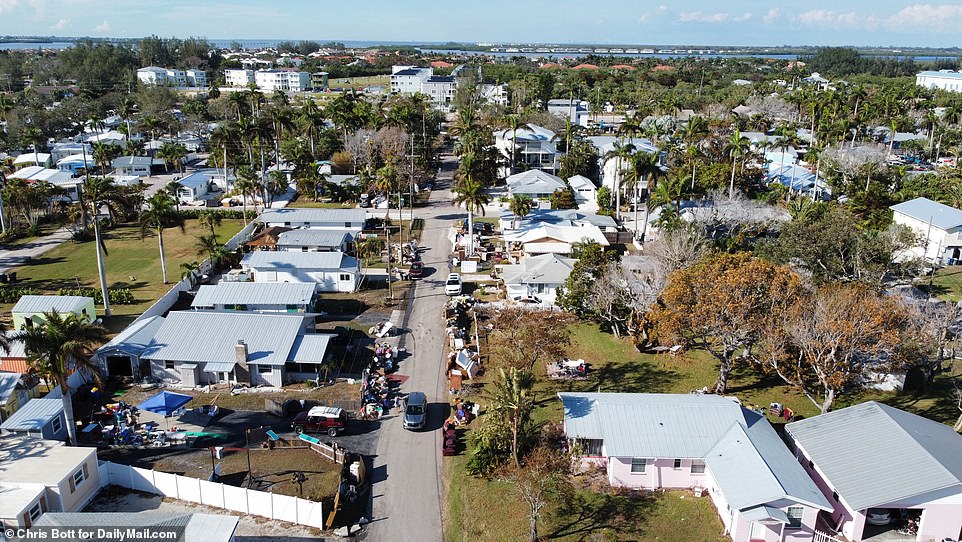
(248, 527)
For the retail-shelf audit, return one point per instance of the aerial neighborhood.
(281, 289)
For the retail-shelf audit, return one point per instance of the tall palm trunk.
(244, 199)
(101, 271)
(470, 245)
(731, 186)
(163, 259)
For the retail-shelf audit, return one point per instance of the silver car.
(415, 410)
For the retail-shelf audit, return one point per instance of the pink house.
(707, 443)
(881, 467)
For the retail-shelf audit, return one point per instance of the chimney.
(240, 356)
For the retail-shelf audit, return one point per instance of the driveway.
(406, 493)
(11, 259)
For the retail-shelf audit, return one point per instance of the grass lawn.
(132, 263)
(360, 82)
(946, 283)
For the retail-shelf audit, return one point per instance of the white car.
(452, 286)
(878, 517)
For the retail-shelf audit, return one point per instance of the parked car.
(415, 410)
(364, 201)
(483, 228)
(416, 271)
(878, 517)
(453, 285)
(320, 419)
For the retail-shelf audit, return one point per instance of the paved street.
(406, 496)
(13, 258)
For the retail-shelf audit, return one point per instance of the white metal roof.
(543, 269)
(651, 424)
(207, 336)
(8, 383)
(923, 209)
(31, 158)
(319, 216)
(39, 461)
(135, 338)
(313, 238)
(534, 181)
(64, 304)
(207, 527)
(565, 234)
(33, 415)
(310, 348)
(263, 259)
(874, 454)
(254, 293)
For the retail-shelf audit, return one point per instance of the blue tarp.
(165, 402)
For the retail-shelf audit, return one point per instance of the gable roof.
(534, 181)
(291, 214)
(64, 304)
(561, 216)
(753, 466)
(33, 415)
(837, 443)
(264, 259)
(651, 424)
(924, 210)
(543, 269)
(564, 234)
(207, 336)
(254, 293)
(313, 238)
(580, 181)
(136, 337)
(8, 383)
(207, 527)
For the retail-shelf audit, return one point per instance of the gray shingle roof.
(555, 216)
(290, 214)
(923, 209)
(34, 304)
(534, 181)
(262, 259)
(874, 454)
(33, 415)
(753, 466)
(202, 336)
(313, 238)
(651, 424)
(254, 293)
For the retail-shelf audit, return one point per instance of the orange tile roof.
(585, 67)
(440, 64)
(661, 68)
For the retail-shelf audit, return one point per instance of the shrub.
(118, 296)
(12, 294)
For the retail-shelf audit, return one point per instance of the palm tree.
(511, 398)
(57, 347)
(104, 154)
(520, 206)
(211, 220)
(471, 194)
(643, 167)
(173, 153)
(622, 153)
(736, 148)
(159, 215)
(126, 110)
(209, 245)
(31, 135)
(247, 186)
(188, 272)
(97, 192)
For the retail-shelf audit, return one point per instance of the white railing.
(215, 494)
(825, 537)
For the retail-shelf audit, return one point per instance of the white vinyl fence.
(217, 495)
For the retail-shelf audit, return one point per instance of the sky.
(642, 22)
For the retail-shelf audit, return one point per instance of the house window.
(697, 467)
(590, 446)
(677, 464)
(835, 496)
(347, 224)
(303, 249)
(638, 465)
(57, 425)
(293, 308)
(79, 477)
(35, 512)
(169, 365)
(264, 369)
(344, 277)
(794, 517)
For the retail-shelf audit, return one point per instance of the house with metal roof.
(553, 238)
(537, 277)
(327, 271)
(132, 165)
(206, 527)
(938, 227)
(534, 183)
(311, 240)
(560, 217)
(40, 418)
(331, 219)
(121, 356)
(15, 390)
(202, 347)
(943, 79)
(586, 193)
(876, 462)
(707, 443)
(31, 310)
(260, 297)
(38, 476)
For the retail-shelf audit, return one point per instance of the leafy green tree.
(159, 215)
(592, 261)
(57, 347)
(563, 198)
(512, 399)
(520, 206)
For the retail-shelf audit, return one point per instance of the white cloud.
(8, 5)
(699, 17)
(771, 16)
(60, 25)
(941, 18)
(743, 17)
(834, 19)
(103, 27)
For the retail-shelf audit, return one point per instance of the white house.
(324, 219)
(328, 271)
(121, 356)
(942, 79)
(708, 443)
(551, 238)
(61, 179)
(238, 347)
(575, 111)
(196, 78)
(260, 297)
(611, 169)
(535, 184)
(559, 217)
(238, 78)
(586, 193)
(535, 146)
(282, 80)
(315, 240)
(41, 476)
(537, 277)
(409, 79)
(155, 76)
(441, 89)
(75, 164)
(495, 94)
(873, 459)
(937, 226)
(132, 165)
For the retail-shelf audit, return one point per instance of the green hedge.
(118, 296)
(12, 294)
